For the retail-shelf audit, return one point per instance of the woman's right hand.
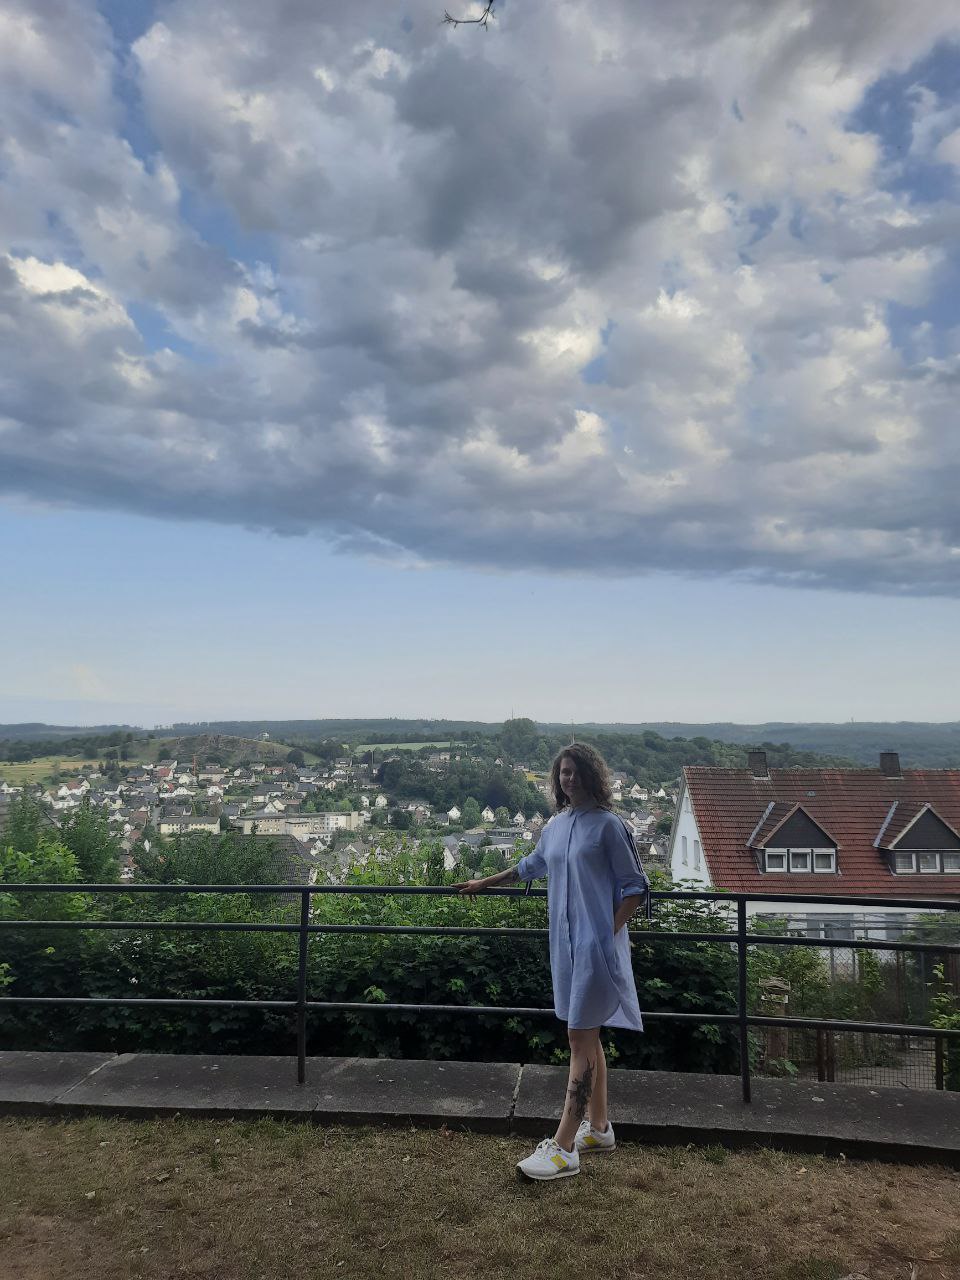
(471, 887)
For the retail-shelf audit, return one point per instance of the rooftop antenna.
(573, 732)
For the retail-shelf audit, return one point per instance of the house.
(488, 815)
(885, 832)
(279, 822)
(453, 814)
(187, 824)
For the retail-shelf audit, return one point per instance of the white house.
(488, 815)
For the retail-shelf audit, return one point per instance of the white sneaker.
(550, 1161)
(590, 1139)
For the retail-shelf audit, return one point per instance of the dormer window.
(787, 839)
(918, 841)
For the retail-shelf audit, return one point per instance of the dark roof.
(733, 810)
(292, 862)
(902, 816)
(776, 818)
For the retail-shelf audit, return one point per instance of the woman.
(595, 884)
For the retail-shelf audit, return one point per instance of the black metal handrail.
(739, 938)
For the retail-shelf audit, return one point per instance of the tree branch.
(482, 21)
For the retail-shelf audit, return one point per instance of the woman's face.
(569, 780)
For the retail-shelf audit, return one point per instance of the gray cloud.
(488, 301)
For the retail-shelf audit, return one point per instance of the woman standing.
(595, 884)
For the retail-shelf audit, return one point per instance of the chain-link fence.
(856, 983)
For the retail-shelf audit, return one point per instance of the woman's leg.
(597, 1107)
(586, 1056)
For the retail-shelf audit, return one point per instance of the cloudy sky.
(600, 365)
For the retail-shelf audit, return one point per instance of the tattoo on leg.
(580, 1090)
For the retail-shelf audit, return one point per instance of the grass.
(241, 1200)
(27, 771)
(400, 746)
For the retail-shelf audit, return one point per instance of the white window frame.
(696, 855)
(825, 853)
(781, 854)
(801, 853)
(904, 871)
(683, 846)
(955, 855)
(928, 871)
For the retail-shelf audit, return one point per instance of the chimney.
(890, 764)
(757, 763)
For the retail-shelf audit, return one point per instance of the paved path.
(651, 1106)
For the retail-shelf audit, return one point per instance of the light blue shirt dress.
(590, 867)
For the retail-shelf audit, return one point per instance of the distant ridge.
(920, 743)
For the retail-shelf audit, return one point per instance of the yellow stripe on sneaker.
(559, 1162)
(591, 1141)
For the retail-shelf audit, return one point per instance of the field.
(195, 1199)
(402, 746)
(20, 774)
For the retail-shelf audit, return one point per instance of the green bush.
(370, 969)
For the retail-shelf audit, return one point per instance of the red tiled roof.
(851, 804)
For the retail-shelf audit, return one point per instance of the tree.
(296, 757)
(470, 814)
(434, 872)
(26, 820)
(502, 817)
(519, 737)
(87, 835)
(205, 858)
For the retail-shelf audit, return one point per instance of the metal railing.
(739, 938)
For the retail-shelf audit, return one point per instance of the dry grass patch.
(240, 1200)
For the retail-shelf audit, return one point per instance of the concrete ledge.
(473, 1095)
(478, 1095)
(832, 1119)
(32, 1082)
(916, 1126)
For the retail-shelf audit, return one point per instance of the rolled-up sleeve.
(628, 875)
(533, 866)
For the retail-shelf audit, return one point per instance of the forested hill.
(920, 743)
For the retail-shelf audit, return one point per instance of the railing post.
(742, 997)
(302, 988)
(821, 1054)
(938, 1056)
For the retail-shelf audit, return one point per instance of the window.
(683, 841)
(696, 854)
(904, 862)
(951, 862)
(928, 861)
(802, 861)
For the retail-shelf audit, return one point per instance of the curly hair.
(591, 771)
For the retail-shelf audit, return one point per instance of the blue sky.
(630, 395)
